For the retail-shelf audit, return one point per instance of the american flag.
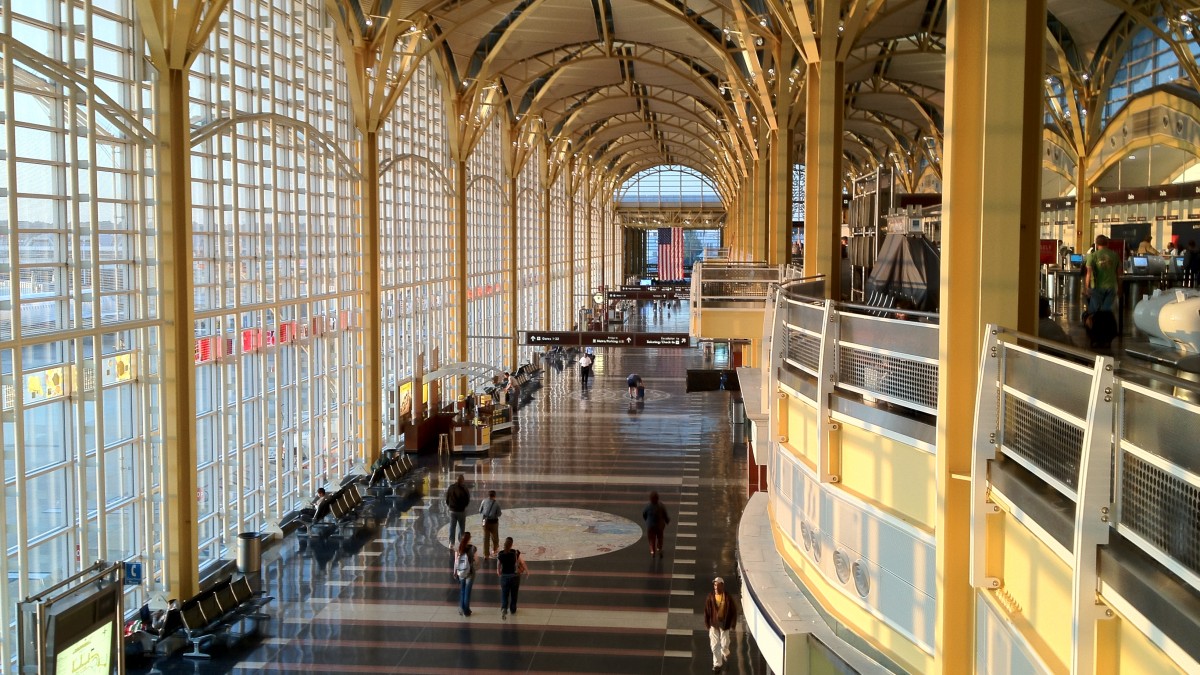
(670, 253)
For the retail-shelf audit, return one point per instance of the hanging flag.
(670, 253)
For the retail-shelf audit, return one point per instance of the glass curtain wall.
(596, 232)
(560, 313)
(530, 306)
(417, 208)
(78, 306)
(277, 262)
(487, 248)
(613, 244)
(578, 243)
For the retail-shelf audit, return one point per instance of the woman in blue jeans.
(465, 573)
(511, 566)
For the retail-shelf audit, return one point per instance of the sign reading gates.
(601, 339)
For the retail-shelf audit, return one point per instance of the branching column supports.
(372, 375)
(510, 256)
(173, 182)
(170, 33)
(989, 264)
(779, 223)
(824, 108)
(544, 227)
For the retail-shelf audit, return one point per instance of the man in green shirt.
(1101, 281)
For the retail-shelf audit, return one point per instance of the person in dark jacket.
(656, 517)
(458, 497)
(720, 618)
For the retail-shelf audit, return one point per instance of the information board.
(605, 339)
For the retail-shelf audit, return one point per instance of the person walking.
(464, 572)
(656, 518)
(720, 617)
(489, 509)
(510, 565)
(585, 369)
(458, 497)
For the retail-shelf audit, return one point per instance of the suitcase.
(641, 392)
(1102, 329)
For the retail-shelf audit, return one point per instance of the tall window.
(80, 423)
(1149, 62)
(531, 309)
(560, 303)
(487, 248)
(277, 262)
(416, 229)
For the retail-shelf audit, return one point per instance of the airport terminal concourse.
(893, 305)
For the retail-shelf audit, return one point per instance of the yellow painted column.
(174, 216)
(762, 188)
(372, 378)
(1085, 229)
(779, 239)
(988, 118)
(824, 108)
(460, 258)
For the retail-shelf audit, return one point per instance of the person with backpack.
(464, 572)
(458, 497)
(489, 510)
(510, 565)
(656, 517)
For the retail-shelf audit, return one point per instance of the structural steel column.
(460, 256)
(762, 191)
(174, 215)
(1085, 229)
(779, 228)
(989, 118)
(824, 108)
(372, 377)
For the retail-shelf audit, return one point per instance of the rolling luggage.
(1101, 329)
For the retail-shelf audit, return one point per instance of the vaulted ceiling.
(633, 84)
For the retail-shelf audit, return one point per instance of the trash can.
(737, 411)
(249, 553)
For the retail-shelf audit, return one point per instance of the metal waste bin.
(249, 553)
(737, 411)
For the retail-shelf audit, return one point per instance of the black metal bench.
(217, 611)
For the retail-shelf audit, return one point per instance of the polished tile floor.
(385, 602)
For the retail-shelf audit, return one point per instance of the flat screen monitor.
(644, 282)
(1178, 262)
(1076, 259)
(1140, 261)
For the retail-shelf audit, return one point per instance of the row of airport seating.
(212, 613)
(218, 610)
(393, 476)
(339, 511)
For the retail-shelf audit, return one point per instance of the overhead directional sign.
(677, 288)
(605, 339)
(648, 294)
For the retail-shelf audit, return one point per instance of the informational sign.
(606, 339)
(90, 656)
(133, 574)
(647, 294)
(664, 340)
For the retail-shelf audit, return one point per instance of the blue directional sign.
(133, 574)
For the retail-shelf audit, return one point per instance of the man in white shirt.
(585, 369)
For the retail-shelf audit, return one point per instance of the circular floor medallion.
(557, 533)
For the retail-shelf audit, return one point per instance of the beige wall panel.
(802, 431)
(741, 324)
(893, 475)
(1036, 592)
